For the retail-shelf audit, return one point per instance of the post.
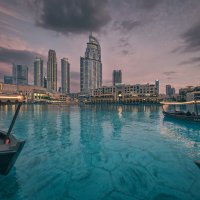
(14, 118)
(196, 108)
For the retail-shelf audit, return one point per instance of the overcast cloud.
(136, 36)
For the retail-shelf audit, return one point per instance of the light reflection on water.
(101, 152)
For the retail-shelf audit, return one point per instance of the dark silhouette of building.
(117, 77)
(8, 79)
(20, 74)
(45, 82)
(170, 91)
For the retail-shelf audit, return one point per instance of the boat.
(197, 162)
(10, 147)
(187, 116)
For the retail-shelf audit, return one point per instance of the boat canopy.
(179, 103)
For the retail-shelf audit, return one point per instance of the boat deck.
(9, 146)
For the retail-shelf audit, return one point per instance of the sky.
(146, 39)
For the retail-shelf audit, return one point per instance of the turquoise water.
(101, 152)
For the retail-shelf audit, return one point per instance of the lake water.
(101, 152)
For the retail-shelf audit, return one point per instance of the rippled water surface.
(101, 152)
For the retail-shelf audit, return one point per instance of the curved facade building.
(91, 67)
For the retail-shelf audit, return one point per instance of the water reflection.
(185, 135)
(120, 111)
(187, 129)
(91, 129)
(117, 122)
(9, 186)
(126, 108)
(117, 116)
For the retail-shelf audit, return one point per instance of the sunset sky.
(146, 39)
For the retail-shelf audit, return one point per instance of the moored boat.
(187, 116)
(10, 147)
(182, 116)
(9, 152)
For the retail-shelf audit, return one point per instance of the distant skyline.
(146, 39)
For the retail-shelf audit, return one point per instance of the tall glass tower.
(117, 76)
(65, 76)
(157, 87)
(20, 74)
(52, 71)
(38, 72)
(91, 66)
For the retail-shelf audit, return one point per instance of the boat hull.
(197, 162)
(9, 154)
(185, 117)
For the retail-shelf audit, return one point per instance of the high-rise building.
(8, 79)
(65, 76)
(45, 82)
(117, 77)
(52, 71)
(91, 66)
(170, 90)
(173, 91)
(157, 87)
(38, 72)
(20, 74)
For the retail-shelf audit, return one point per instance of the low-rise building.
(191, 96)
(29, 92)
(183, 92)
(8, 88)
(74, 96)
(125, 93)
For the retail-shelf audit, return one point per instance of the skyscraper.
(91, 66)
(117, 77)
(20, 74)
(173, 91)
(52, 71)
(65, 76)
(38, 72)
(45, 82)
(170, 90)
(157, 87)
